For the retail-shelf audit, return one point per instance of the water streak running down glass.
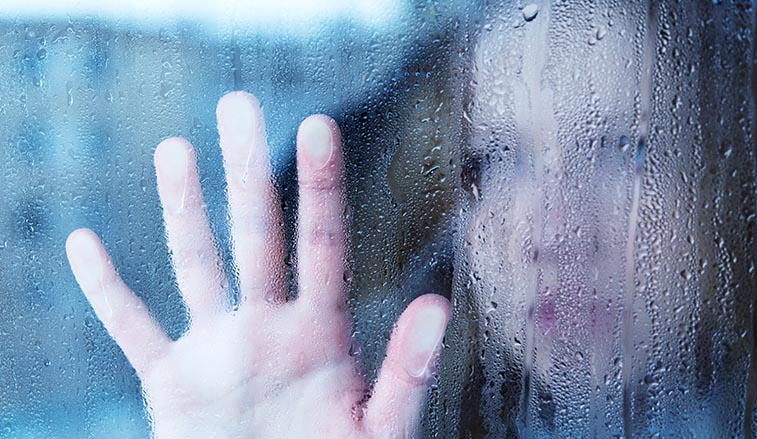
(578, 177)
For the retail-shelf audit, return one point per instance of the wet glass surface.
(86, 100)
(606, 266)
(578, 177)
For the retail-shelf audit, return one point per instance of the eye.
(472, 168)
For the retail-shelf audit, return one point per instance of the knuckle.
(318, 184)
(324, 235)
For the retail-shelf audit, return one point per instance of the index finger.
(322, 224)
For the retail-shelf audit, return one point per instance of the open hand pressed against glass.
(270, 368)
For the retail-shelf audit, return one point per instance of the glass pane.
(605, 276)
(577, 177)
(89, 92)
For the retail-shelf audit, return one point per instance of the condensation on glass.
(579, 177)
(86, 98)
(605, 275)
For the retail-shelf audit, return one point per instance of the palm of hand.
(258, 381)
(268, 368)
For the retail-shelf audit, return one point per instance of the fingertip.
(395, 406)
(239, 116)
(419, 334)
(431, 300)
(174, 158)
(172, 150)
(85, 255)
(77, 236)
(236, 100)
(322, 119)
(82, 241)
(318, 141)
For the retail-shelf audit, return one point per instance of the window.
(577, 178)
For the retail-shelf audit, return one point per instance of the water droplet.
(601, 32)
(530, 12)
(69, 93)
(355, 347)
(271, 297)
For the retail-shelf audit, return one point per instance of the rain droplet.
(69, 93)
(530, 12)
(601, 32)
(492, 307)
(271, 297)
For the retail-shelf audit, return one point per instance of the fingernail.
(424, 339)
(236, 115)
(171, 163)
(318, 145)
(88, 261)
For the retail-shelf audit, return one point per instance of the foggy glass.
(578, 177)
(86, 100)
(605, 270)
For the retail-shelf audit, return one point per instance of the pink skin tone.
(271, 368)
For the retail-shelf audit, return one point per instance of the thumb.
(399, 396)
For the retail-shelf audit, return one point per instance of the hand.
(269, 368)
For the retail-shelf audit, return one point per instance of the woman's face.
(591, 231)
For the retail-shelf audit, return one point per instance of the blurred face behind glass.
(589, 260)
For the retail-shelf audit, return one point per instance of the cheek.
(567, 280)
